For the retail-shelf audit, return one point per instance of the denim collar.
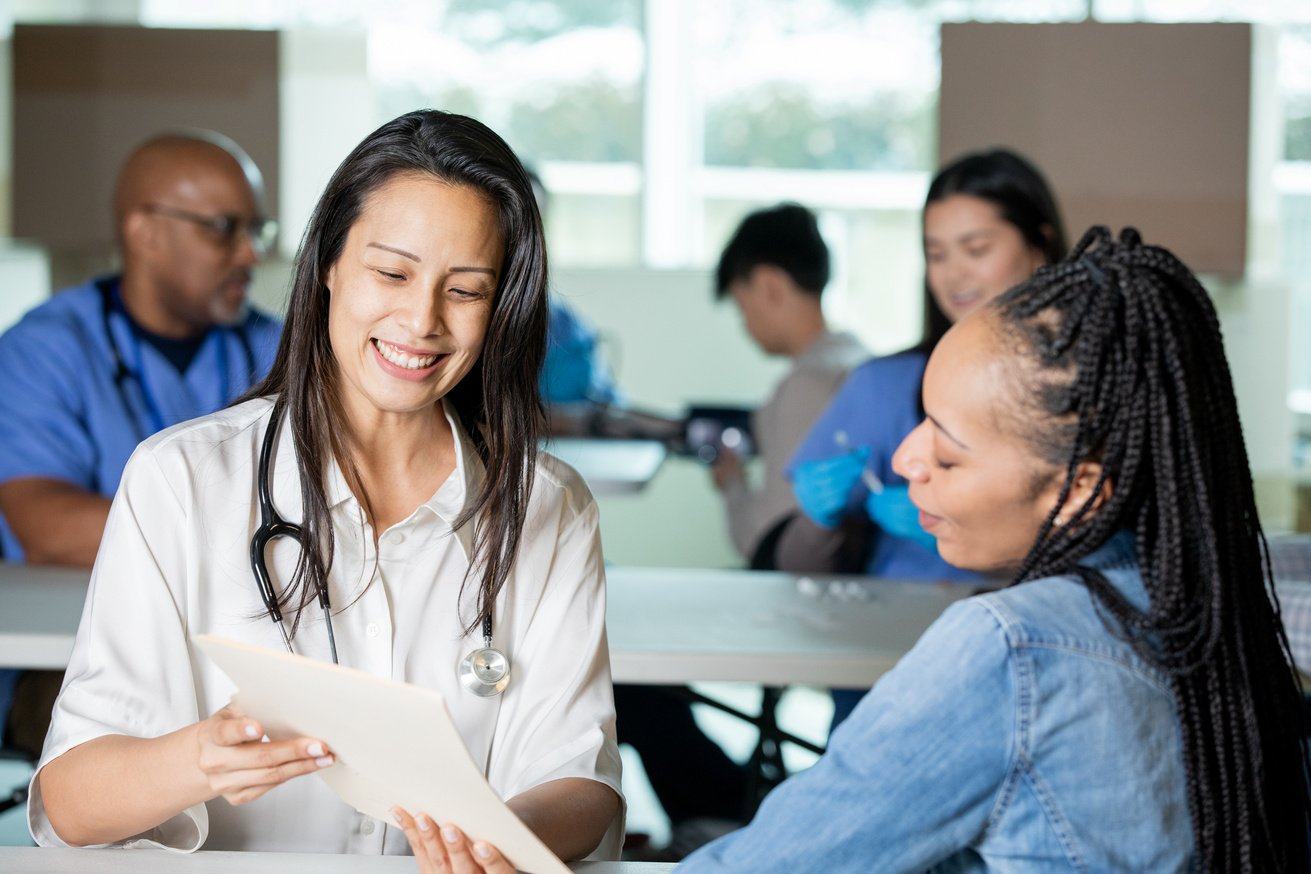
(1117, 559)
(1118, 552)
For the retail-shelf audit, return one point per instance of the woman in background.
(990, 221)
(1128, 703)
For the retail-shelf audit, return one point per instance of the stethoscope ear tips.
(485, 672)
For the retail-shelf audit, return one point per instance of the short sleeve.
(130, 672)
(876, 407)
(43, 416)
(910, 778)
(558, 719)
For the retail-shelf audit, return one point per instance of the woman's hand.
(823, 486)
(241, 767)
(446, 850)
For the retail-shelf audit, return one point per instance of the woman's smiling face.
(980, 487)
(972, 254)
(411, 294)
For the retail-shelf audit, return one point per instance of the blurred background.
(656, 126)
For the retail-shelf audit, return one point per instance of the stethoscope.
(109, 302)
(484, 671)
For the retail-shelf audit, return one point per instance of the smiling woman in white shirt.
(399, 424)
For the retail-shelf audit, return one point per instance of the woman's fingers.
(446, 850)
(422, 835)
(242, 785)
(472, 857)
(241, 767)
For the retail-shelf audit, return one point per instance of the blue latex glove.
(822, 486)
(892, 511)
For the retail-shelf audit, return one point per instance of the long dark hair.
(1021, 194)
(1122, 360)
(497, 400)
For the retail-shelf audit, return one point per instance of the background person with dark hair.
(989, 221)
(775, 268)
(398, 428)
(1129, 702)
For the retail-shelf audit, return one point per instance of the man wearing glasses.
(98, 368)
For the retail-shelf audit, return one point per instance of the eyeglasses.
(261, 230)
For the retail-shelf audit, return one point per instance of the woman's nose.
(910, 461)
(423, 314)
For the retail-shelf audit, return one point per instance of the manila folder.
(394, 743)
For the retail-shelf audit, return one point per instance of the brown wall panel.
(85, 96)
(1133, 124)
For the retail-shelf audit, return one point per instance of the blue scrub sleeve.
(573, 370)
(42, 407)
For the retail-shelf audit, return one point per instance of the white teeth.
(401, 359)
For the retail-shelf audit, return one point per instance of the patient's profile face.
(980, 488)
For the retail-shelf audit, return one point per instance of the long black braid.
(1124, 359)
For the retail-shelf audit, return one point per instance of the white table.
(32, 860)
(39, 611)
(666, 625)
(609, 466)
(677, 626)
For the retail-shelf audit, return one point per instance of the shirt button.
(367, 828)
(396, 538)
(371, 629)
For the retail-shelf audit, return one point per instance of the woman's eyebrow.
(489, 271)
(948, 434)
(415, 258)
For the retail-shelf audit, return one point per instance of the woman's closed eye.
(389, 275)
(471, 294)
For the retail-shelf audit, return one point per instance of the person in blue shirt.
(573, 372)
(575, 383)
(990, 220)
(1129, 702)
(100, 367)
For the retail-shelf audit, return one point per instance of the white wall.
(670, 344)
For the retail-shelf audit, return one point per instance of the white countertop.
(33, 860)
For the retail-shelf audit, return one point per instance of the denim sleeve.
(909, 779)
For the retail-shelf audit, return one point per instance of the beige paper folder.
(395, 744)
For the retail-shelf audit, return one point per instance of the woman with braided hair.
(1128, 703)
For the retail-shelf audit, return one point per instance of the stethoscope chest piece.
(485, 672)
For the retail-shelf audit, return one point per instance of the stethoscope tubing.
(110, 303)
(484, 671)
(273, 526)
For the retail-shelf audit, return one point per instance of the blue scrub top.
(573, 370)
(878, 406)
(61, 414)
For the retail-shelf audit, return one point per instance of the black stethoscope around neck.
(111, 302)
(484, 671)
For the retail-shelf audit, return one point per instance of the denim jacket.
(1020, 734)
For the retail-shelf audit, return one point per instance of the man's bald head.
(184, 208)
(162, 164)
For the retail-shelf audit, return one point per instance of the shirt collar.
(446, 504)
(1119, 551)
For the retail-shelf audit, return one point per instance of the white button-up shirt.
(174, 563)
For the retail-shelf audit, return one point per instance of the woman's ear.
(1086, 477)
